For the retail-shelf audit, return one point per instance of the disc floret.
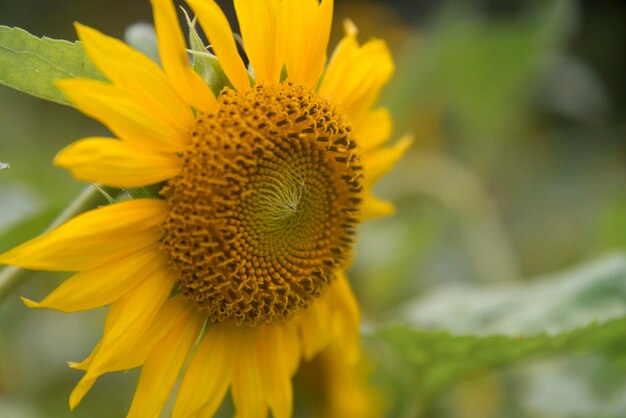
(264, 210)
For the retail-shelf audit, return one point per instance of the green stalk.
(13, 277)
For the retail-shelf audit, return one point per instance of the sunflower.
(235, 269)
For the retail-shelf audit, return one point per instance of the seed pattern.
(264, 210)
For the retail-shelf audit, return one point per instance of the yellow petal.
(333, 319)
(162, 366)
(104, 285)
(315, 328)
(217, 29)
(355, 75)
(260, 23)
(373, 129)
(248, 387)
(210, 372)
(116, 163)
(307, 26)
(93, 239)
(138, 76)
(347, 318)
(378, 162)
(275, 351)
(127, 118)
(173, 53)
(80, 390)
(137, 349)
(340, 62)
(291, 346)
(372, 207)
(133, 314)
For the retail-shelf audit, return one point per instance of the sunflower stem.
(12, 277)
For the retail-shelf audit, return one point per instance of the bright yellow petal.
(378, 162)
(124, 116)
(173, 53)
(260, 23)
(102, 286)
(307, 26)
(116, 163)
(356, 74)
(138, 76)
(347, 318)
(137, 349)
(217, 29)
(93, 239)
(133, 314)
(340, 63)
(210, 373)
(275, 351)
(129, 317)
(372, 207)
(248, 388)
(315, 328)
(162, 366)
(373, 129)
(80, 390)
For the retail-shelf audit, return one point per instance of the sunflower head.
(264, 209)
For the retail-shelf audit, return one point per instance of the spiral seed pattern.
(264, 210)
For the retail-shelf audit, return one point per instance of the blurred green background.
(511, 207)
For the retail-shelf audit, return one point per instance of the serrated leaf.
(420, 364)
(556, 303)
(454, 332)
(31, 64)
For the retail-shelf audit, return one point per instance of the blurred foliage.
(420, 364)
(559, 302)
(472, 307)
(580, 312)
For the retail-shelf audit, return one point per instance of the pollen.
(264, 210)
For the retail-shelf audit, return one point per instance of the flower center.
(264, 209)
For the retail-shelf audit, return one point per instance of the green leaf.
(31, 64)
(205, 63)
(556, 303)
(580, 311)
(420, 364)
